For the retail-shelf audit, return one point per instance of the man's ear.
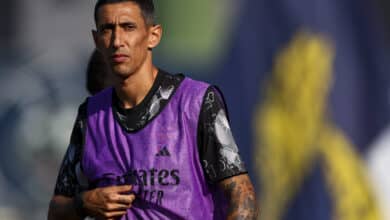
(154, 36)
(95, 37)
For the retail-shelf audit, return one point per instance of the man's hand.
(108, 202)
(105, 203)
(241, 197)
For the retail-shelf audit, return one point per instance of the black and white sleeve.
(70, 180)
(218, 150)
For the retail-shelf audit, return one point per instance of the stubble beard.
(121, 72)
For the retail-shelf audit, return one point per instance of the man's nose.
(117, 38)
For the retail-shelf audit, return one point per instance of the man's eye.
(129, 27)
(105, 30)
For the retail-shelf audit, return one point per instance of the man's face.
(123, 37)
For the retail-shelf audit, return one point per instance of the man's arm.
(220, 157)
(241, 197)
(67, 184)
(62, 207)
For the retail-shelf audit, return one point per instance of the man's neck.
(132, 90)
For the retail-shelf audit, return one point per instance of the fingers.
(119, 202)
(116, 207)
(120, 189)
(114, 214)
(109, 202)
(111, 215)
(125, 199)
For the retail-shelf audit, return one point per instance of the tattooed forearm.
(241, 196)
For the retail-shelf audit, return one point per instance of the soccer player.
(153, 146)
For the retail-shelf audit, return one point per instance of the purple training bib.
(161, 160)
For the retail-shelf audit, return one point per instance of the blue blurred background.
(306, 82)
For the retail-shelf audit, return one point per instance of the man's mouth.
(119, 58)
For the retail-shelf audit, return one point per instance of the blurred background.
(306, 81)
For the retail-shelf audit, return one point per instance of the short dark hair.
(146, 6)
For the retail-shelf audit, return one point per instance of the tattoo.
(241, 196)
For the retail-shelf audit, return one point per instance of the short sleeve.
(218, 150)
(70, 179)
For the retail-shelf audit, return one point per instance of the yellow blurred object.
(293, 131)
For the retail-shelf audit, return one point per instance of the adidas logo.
(163, 152)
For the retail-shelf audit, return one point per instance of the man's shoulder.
(191, 82)
(178, 77)
(82, 110)
(171, 78)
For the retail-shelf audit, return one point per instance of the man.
(156, 145)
